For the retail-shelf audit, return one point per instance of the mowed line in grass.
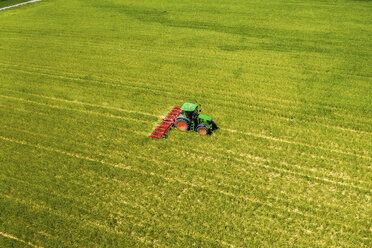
(219, 183)
(224, 92)
(199, 235)
(94, 126)
(279, 167)
(286, 114)
(125, 134)
(298, 143)
(59, 196)
(9, 236)
(185, 78)
(280, 164)
(297, 212)
(72, 109)
(171, 83)
(122, 117)
(83, 223)
(165, 85)
(84, 103)
(133, 204)
(123, 130)
(260, 109)
(206, 55)
(125, 203)
(222, 55)
(207, 75)
(138, 221)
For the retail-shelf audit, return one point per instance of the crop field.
(84, 83)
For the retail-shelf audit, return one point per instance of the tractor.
(190, 119)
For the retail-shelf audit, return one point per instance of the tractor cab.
(190, 119)
(189, 110)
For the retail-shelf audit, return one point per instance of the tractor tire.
(202, 129)
(182, 124)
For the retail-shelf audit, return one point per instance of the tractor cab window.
(188, 114)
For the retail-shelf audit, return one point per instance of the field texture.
(83, 84)
(6, 3)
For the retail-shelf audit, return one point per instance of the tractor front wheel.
(203, 130)
(182, 124)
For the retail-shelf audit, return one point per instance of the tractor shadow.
(214, 127)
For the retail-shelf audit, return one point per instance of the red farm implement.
(166, 123)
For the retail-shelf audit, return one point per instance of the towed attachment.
(168, 121)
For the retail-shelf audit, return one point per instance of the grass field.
(6, 3)
(83, 84)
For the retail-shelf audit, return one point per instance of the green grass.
(83, 84)
(5, 3)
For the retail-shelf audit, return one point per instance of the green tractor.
(190, 119)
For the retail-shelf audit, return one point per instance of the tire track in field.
(174, 180)
(296, 143)
(131, 204)
(301, 173)
(146, 85)
(297, 166)
(142, 207)
(297, 212)
(250, 156)
(9, 236)
(115, 127)
(267, 167)
(159, 220)
(250, 105)
(272, 111)
(97, 124)
(171, 93)
(72, 109)
(43, 233)
(225, 56)
(115, 108)
(257, 74)
(58, 73)
(142, 133)
(153, 115)
(85, 103)
(87, 222)
(259, 161)
(149, 114)
(274, 199)
(320, 178)
(250, 63)
(140, 221)
(153, 215)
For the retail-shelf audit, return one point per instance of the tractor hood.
(205, 117)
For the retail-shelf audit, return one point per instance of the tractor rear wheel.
(202, 130)
(182, 124)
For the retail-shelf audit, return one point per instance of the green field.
(6, 3)
(83, 84)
